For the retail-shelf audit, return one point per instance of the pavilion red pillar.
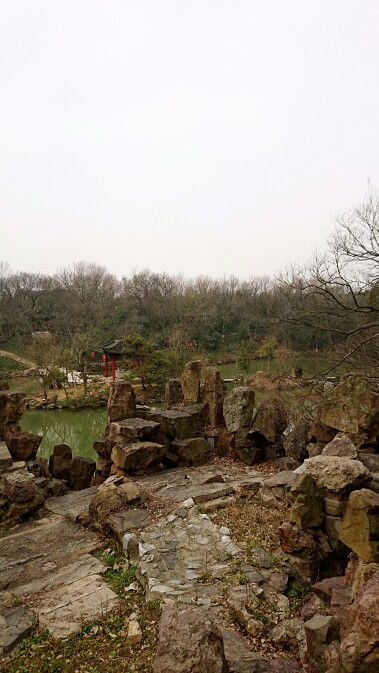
(105, 359)
(113, 367)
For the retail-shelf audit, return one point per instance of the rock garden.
(215, 535)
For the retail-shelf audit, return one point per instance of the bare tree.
(338, 294)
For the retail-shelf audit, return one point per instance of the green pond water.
(79, 429)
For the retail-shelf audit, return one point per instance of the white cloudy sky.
(201, 136)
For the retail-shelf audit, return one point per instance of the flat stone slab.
(182, 483)
(73, 504)
(15, 624)
(5, 457)
(70, 597)
(41, 548)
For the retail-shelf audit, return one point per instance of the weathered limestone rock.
(134, 634)
(270, 421)
(180, 423)
(359, 651)
(173, 393)
(138, 455)
(341, 446)
(359, 529)
(278, 485)
(295, 444)
(336, 474)
(81, 473)
(239, 408)
(191, 451)
(213, 396)
(60, 462)
(121, 401)
(191, 382)
(189, 642)
(111, 498)
(126, 520)
(320, 630)
(132, 430)
(72, 504)
(5, 457)
(23, 445)
(11, 408)
(352, 407)
(307, 510)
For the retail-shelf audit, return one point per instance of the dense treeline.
(214, 314)
(335, 301)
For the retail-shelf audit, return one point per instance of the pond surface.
(78, 429)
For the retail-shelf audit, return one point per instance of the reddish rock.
(18, 487)
(23, 445)
(189, 642)
(341, 445)
(81, 473)
(359, 650)
(319, 433)
(11, 408)
(121, 401)
(60, 462)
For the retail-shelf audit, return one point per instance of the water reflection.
(78, 429)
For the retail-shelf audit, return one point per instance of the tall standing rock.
(359, 529)
(214, 393)
(11, 408)
(239, 408)
(191, 382)
(173, 393)
(121, 401)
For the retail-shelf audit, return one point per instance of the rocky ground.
(213, 537)
(180, 552)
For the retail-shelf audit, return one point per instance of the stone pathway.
(180, 553)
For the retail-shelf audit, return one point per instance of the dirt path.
(18, 358)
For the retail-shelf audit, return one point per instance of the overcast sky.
(200, 136)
